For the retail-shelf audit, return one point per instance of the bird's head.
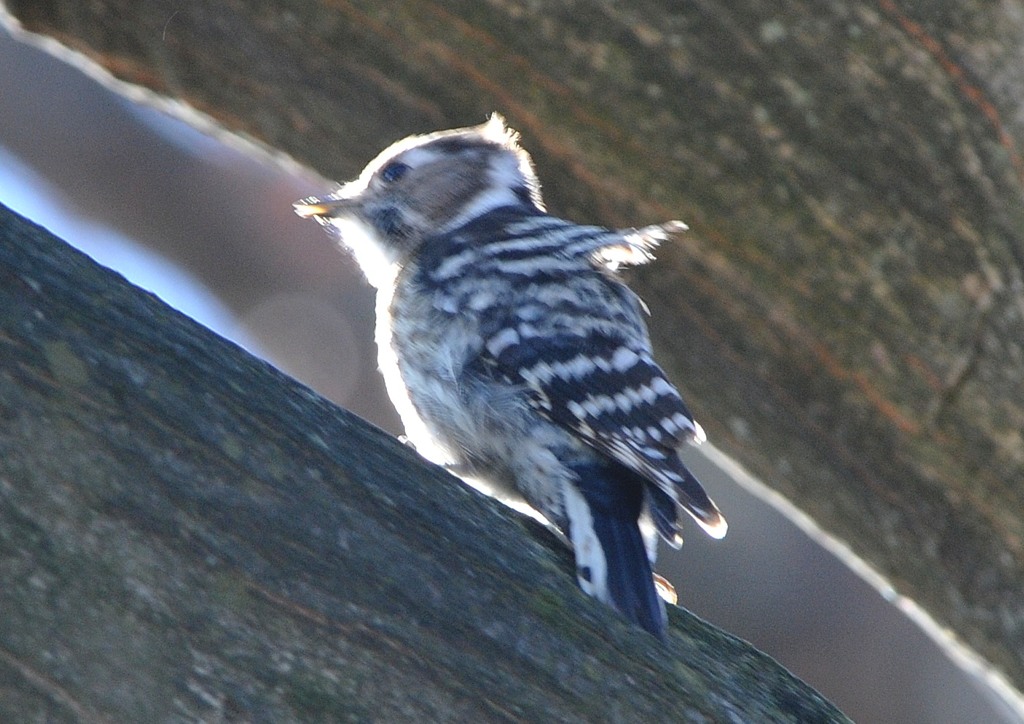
(425, 185)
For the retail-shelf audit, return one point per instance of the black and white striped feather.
(572, 334)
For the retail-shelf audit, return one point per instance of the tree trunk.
(186, 532)
(847, 312)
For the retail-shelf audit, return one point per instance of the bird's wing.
(615, 398)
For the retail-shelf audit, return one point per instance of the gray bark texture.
(188, 534)
(847, 312)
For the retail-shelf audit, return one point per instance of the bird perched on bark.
(515, 355)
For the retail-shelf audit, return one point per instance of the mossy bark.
(187, 534)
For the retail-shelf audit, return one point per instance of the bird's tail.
(611, 558)
(629, 579)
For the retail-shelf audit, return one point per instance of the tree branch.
(184, 531)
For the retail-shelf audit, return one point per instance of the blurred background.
(205, 222)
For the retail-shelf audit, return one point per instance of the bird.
(518, 358)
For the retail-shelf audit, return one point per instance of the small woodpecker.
(517, 357)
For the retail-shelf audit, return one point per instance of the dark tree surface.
(185, 532)
(850, 302)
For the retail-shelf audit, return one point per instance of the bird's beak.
(313, 207)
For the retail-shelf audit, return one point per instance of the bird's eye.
(394, 171)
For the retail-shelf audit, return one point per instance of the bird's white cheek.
(490, 198)
(375, 257)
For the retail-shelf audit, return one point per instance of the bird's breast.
(421, 351)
